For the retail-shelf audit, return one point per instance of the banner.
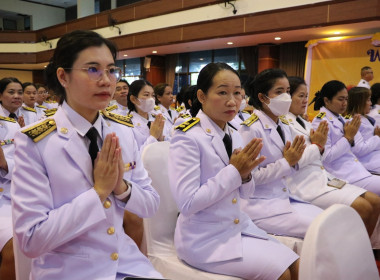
(340, 58)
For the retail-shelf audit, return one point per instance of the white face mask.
(280, 104)
(146, 105)
(243, 104)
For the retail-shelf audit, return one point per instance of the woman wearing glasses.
(74, 178)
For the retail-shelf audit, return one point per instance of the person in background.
(242, 115)
(77, 172)
(212, 179)
(311, 182)
(8, 128)
(375, 100)
(343, 138)
(164, 98)
(272, 206)
(28, 110)
(121, 97)
(366, 74)
(11, 100)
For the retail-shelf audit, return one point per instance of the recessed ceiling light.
(125, 55)
(337, 32)
(230, 43)
(154, 51)
(277, 38)
(201, 58)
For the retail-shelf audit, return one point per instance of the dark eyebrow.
(97, 63)
(227, 86)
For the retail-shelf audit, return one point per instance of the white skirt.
(262, 259)
(6, 232)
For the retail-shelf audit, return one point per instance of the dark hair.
(262, 83)
(4, 82)
(329, 90)
(24, 85)
(294, 83)
(159, 90)
(357, 99)
(205, 80)
(39, 86)
(66, 52)
(375, 89)
(123, 81)
(134, 90)
(190, 95)
(181, 95)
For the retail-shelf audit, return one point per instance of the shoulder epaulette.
(348, 116)
(321, 115)
(180, 108)
(130, 116)
(156, 108)
(188, 124)
(252, 118)
(378, 112)
(283, 120)
(245, 112)
(185, 116)
(117, 118)
(7, 119)
(51, 101)
(40, 130)
(29, 109)
(50, 112)
(111, 108)
(41, 106)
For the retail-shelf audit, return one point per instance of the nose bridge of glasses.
(113, 73)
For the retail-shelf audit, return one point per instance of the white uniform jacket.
(169, 119)
(29, 114)
(375, 113)
(271, 197)
(208, 191)
(338, 158)
(58, 217)
(364, 83)
(118, 109)
(40, 111)
(310, 180)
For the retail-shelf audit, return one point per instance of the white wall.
(41, 16)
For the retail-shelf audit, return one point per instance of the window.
(131, 69)
(198, 60)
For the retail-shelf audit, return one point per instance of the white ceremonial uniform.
(119, 109)
(375, 113)
(272, 207)
(310, 181)
(240, 117)
(50, 104)
(212, 233)
(169, 120)
(338, 158)
(29, 114)
(364, 83)
(40, 111)
(59, 220)
(4, 112)
(8, 128)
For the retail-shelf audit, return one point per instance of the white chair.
(22, 262)
(159, 230)
(336, 246)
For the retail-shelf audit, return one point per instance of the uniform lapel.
(296, 126)
(268, 124)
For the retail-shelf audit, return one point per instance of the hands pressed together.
(351, 128)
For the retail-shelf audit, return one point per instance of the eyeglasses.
(113, 73)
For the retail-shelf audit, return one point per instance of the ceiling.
(55, 3)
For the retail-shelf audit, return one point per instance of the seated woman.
(148, 128)
(368, 148)
(311, 182)
(9, 88)
(77, 172)
(272, 207)
(343, 138)
(164, 99)
(375, 100)
(210, 176)
(29, 110)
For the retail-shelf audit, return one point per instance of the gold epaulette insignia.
(7, 119)
(321, 115)
(283, 119)
(41, 106)
(188, 124)
(29, 109)
(50, 112)
(180, 108)
(157, 108)
(40, 130)
(348, 116)
(378, 112)
(252, 118)
(117, 118)
(111, 108)
(130, 116)
(185, 116)
(245, 112)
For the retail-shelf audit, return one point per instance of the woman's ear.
(201, 96)
(134, 100)
(62, 76)
(262, 97)
(326, 100)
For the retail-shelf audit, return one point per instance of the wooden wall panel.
(158, 37)
(17, 37)
(353, 10)
(124, 42)
(155, 8)
(195, 3)
(83, 23)
(52, 33)
(17, 58)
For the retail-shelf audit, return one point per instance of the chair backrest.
(159, 230)
(336, 246)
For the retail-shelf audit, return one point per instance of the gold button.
(52, 122)
(284, 189)
(236, 221)
(107, 204)
(234, 201)
(111, 230)
(356, 160)
(64, 130)
(114, 256)
(1, 189)
(322, 167)
(208, 130)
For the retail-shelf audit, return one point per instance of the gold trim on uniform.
(111, 108)
(321, 115)
(29, 109)
(41, 106)
(348, 116)
(283, 119)
(50, 112)
(157, 108)
(188, 124)
(252, 118)
(185, 116)
(180, 108)
(117, 118)
(7, 119)
(41, 130)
